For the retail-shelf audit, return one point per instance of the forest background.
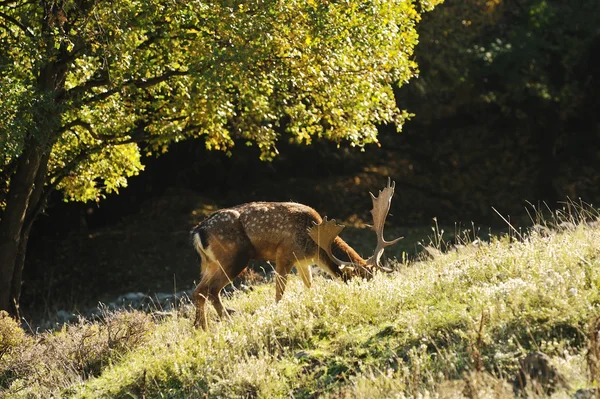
(505, 114)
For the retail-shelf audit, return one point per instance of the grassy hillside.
(455, 325)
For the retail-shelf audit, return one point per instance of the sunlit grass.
(456, 324)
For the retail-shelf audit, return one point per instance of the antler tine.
(381, 208)
(323, 234)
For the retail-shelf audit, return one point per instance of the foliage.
(93, 80)
(508, 94)
(517, 55)
(456, 323)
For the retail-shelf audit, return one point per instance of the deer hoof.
(198, 323)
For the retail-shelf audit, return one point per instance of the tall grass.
(454, 325)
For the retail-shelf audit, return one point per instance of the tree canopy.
(86, 86)
(158, 71)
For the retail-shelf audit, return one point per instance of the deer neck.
(349, 252)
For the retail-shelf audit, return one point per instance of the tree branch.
(136, 135)
(56, 178)
(78, 122)
(101, 79)
(12, 2)
(139, 83)
(19, 24)
(86, 126)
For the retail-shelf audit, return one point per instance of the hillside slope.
(452, 326)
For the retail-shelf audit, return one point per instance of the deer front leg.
(282, 268)
(304, 271)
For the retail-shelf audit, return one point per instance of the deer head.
(324, 234)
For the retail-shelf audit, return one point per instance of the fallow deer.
(288, 233)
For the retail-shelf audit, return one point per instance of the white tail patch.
(197, 242)
(205, 253)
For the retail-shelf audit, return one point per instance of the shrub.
(13, 343)
(11, 335)
(58, 360)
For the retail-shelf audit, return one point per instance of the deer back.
(259, 230)
(279, 226)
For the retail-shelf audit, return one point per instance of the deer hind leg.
(213, 281)
(199, 299)
(215, 277)
(218, 282)
(210, 288)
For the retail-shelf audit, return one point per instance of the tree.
(509, 96)
(86, 86)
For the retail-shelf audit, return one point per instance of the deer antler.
(381, 208)
(323, 234)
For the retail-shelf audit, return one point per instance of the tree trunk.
(12, 225)
(15, 285)
(36, 205)
(25, 198)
